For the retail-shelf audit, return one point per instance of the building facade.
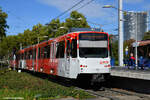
(135, 22)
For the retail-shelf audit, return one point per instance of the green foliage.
(114, 48)
(13, 84)
(128, 43)
(147, 36)
(29, 37)
(8, 44)
(3, 25)
(76, 20)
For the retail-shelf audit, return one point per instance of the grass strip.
(29, 87)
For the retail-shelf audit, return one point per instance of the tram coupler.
(97, 78)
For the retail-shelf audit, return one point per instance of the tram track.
(113, 94)
(130, 93)
(107, 93)
(98, 94)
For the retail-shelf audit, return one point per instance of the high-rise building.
(135, 22)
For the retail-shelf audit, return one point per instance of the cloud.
(93, 10)
(133, 1)
(147, 7)
(59, 4)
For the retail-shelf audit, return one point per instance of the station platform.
(130, 73)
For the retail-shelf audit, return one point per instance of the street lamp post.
(136, 57)
(68, 30)
(120, 30)
(120, 33)
(41, 37)
(77, 19)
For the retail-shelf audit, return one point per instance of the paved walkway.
(130, 73)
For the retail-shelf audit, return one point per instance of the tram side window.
(42, 52)
(47, 51)
(39, 49)
(68, 48)
(60, 49)
(53, 51)
(22, 56)
(34, 53)
(25, 55)
(74, 48)
(11, 57)
(30, 54)
(17, 57)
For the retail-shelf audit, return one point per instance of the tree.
(146, 35)
(30, 37)
(3, 25)
(7, 45)
(128, 43)
(76, 20)
(53, 28)
(114, 47)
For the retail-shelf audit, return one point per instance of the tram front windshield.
(93, 45)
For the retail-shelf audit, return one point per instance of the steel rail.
(98, 94)
(131, 94)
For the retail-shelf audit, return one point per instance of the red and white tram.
(70, 55)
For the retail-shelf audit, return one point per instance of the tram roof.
(72, 30)
(84, 29)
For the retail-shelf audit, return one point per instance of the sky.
(24, 14)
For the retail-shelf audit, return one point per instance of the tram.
(78, 53)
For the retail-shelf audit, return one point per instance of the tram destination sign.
(93, 36)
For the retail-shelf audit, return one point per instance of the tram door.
(68, 52)
(72, 61)
(52, 57)
(34, 60)
(21, 62)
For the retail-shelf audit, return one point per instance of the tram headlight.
(83, 65)
(51, 71)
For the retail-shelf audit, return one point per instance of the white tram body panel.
(68, 68)
(92, 58)
(75, 66)
(22, 64)
(94, 65)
